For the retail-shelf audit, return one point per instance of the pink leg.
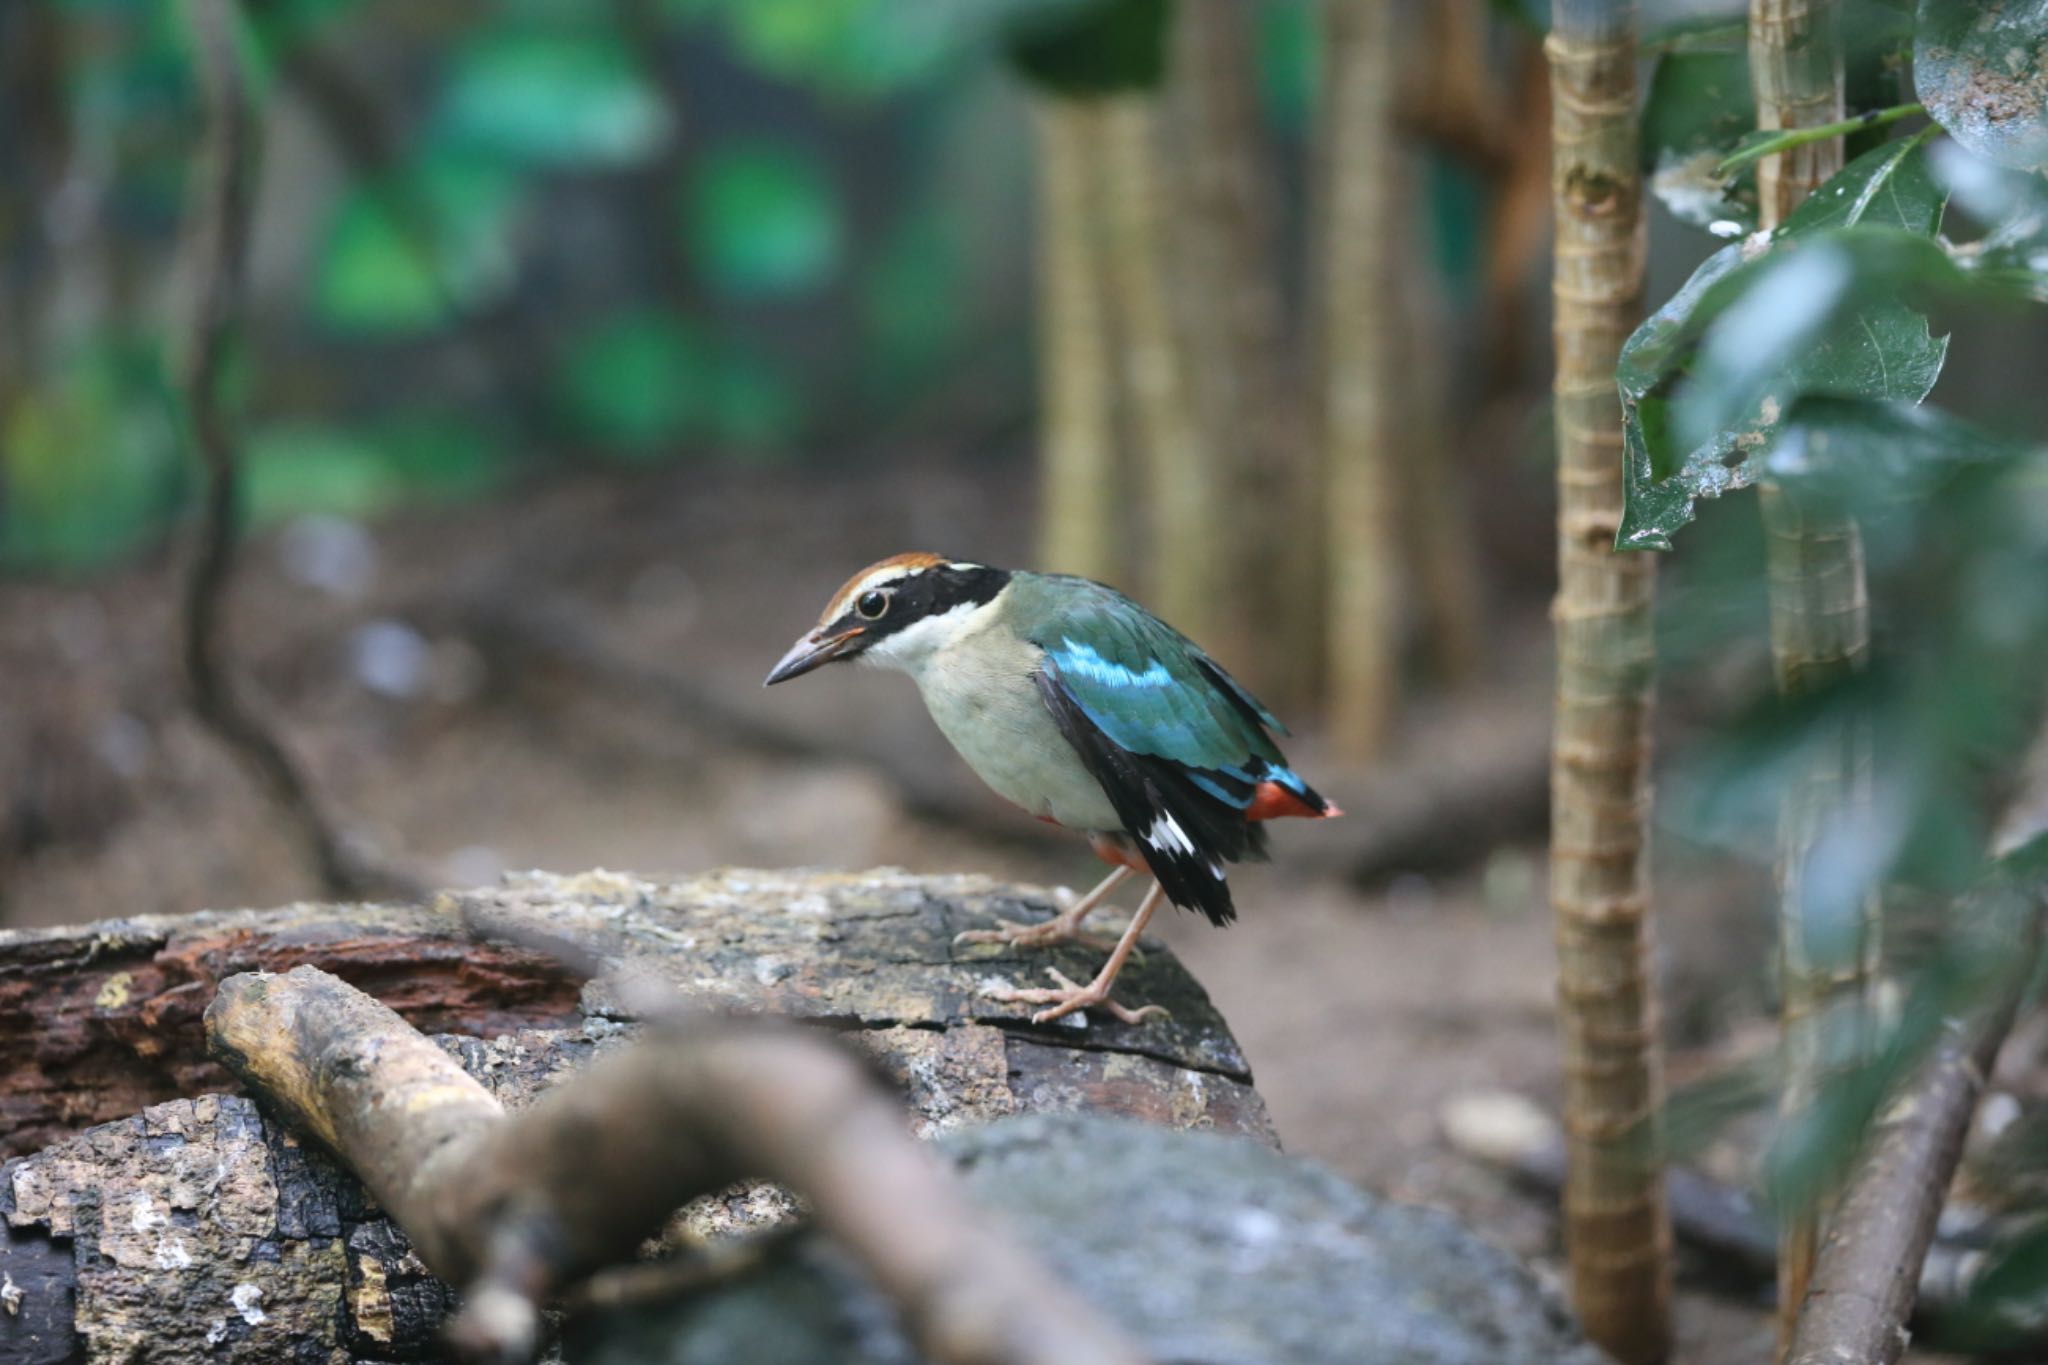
(1070, 997)
(1064, 927)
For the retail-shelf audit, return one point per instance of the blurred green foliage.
(658, 229)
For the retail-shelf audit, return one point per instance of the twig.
(1868, 1268)
(1773, 141)
(516, 1207)
(219, 246)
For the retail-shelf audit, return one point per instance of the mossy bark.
(1616, 1226)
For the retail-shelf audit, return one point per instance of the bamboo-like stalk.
(1078, 494)
(1186, 555)
(1820, 622)
(1617, 1229)
(1238, 354)
(1360, 337)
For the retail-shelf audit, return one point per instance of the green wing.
(1146, 686)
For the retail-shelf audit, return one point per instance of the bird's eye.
(872, 604)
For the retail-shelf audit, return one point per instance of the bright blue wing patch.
(1146, 686)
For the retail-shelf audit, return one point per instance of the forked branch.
(515, 1207)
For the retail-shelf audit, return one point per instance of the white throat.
(909, 650)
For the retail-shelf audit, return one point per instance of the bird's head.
(894, 613)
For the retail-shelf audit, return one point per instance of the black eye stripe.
(914, 597)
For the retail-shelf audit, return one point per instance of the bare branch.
(516, 1207)
(219, 245)
(1866, 1274)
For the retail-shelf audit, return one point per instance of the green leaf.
(552, 96)
(640, 383)
(1106, 47)
(1699, 104)
(89, 463)
(441, 456)
(1707, 378)
(1858, 455)
(402, 254)
(764, 219)
(1982, 71)
(2012, 255)
(293, 468)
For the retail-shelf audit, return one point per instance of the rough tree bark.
(100, 1021)
(1186, 557)
(515, 1209)
(1363, 629)
(1269, 616)
(1820, 626)
(1617, 1230)
(1078, 477)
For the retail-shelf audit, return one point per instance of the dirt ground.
(1363, 1009)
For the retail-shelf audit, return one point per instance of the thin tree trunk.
(1363, 629)
(1820, 623)
(1617, 1229)
(1187, 545)
(1078, 493)
(1239, 355)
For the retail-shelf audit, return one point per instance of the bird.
(1072, 701)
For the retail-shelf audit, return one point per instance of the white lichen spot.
(170, 1254)
(248, 1300)
(10, 1295)
(1756, 244)
(217, 1332)
(143, 1215)
(768, 970)
(1772, 409)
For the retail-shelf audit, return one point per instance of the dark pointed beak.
(813, 651)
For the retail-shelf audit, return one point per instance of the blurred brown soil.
(1362, 1010)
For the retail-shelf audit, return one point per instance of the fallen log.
(101, 1021)
(204, 1230)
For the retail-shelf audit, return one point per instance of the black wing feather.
(1143, 789)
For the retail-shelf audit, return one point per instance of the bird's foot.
(1064, 927)
(1070, 997)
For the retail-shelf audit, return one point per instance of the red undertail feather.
(1271, 801)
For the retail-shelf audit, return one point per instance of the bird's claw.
(1070, 997)
(1048, 934)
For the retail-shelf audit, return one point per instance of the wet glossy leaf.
(403, 254)
(640, 383)
(1982, 71)
(764, 219)
(1707, 378)
(552, 96)
(1699, 106)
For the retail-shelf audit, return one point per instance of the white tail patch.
(1166, 835)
